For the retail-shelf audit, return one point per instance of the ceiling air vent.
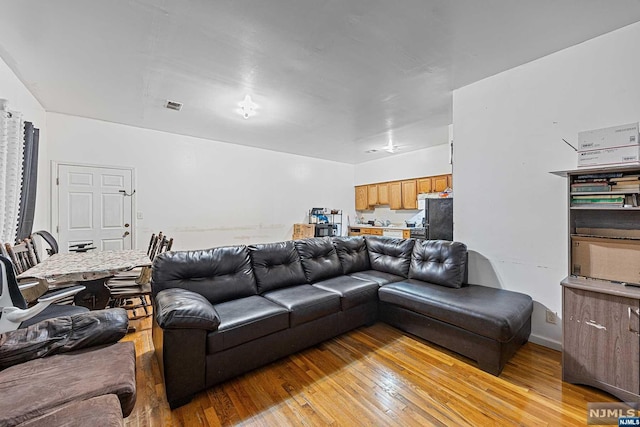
(173, 105)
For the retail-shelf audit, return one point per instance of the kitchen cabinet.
(399, 194)
(439, 183)
(395, 195)
(424, 185)
(372, 195)
(383, 194)
(362, 199)
(409, 194)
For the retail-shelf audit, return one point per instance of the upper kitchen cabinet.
(383, 194)
(362, 200)
(399, 194)
(395, 195)
(372, 195)
(440, 183)
(424, 185)
(409, 194)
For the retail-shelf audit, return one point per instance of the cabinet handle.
(637, 313)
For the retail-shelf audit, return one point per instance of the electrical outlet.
(552, 317)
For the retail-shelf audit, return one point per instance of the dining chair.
(23, 256)
(15, 312)
(133, 292)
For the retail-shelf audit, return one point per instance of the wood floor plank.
(374, 375)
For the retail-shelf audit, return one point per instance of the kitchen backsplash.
(382, 213)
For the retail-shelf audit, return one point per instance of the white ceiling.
(332, 78)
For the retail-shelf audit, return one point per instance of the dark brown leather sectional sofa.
(224, 311)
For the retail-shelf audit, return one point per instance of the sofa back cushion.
(390, 255)
(276, 265)
(219, 274)
(439, 262)
(352, 252)
(319, 258)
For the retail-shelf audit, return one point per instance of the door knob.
(126, 233)
(126, 225)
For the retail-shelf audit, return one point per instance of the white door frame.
(55, 194)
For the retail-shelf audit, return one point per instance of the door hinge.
(57, 181)
(57, 228)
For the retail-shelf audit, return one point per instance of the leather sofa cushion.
(305, 303)
(57, 380)
(179, 308)
(219, 274)
(244, 320)
(352, 291)
(276, 265)
(493, 313)
(352, 252)
(390, 255)
(319, 259)
(82, 413)
(380, 277)
(438, 261)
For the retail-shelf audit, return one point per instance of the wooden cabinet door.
(395, 195)
(601, 345)
(409, 194)
(362, 202)
(372, 194)
(424, 185)
(383, 194)
(439, 183)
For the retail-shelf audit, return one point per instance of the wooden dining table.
(92, 269)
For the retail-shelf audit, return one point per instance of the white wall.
(508, 132)
(414, 164)
(205, 193)
(20, 99)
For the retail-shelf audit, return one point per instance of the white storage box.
(616, 136)
(629, 155)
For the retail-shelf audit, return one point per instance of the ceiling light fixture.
(390, 148)
(247, 107)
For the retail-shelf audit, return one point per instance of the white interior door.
(95, 207)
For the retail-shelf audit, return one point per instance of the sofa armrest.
(178, 308)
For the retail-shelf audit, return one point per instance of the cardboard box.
(629, 155)
(616, 136)
(608, 232)
(608, 259)
(303, 231)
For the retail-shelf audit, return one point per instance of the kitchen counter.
(390, 231)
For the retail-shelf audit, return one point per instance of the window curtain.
(11, 162)
(29, 181)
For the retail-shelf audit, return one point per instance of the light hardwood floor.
(374, 376)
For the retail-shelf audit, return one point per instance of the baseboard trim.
(537, 339)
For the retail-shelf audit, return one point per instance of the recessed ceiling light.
(173, 105)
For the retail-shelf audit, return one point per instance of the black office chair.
(53, 243)
(14, 311)
(49, 239)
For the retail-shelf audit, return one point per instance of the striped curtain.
(11, 158)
